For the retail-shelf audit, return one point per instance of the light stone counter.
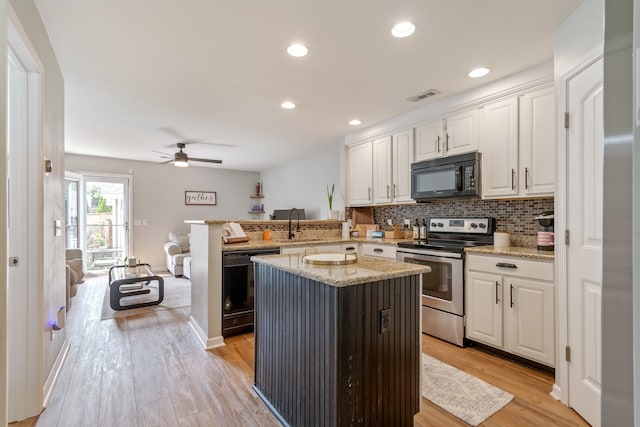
(516, 251)
(279, 243)
(366, 270)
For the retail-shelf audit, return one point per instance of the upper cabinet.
(382, 173)
(517, 146)
(455, 134)
(403, 156)
(537, 142)
(360, 174)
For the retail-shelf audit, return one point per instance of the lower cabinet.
(510, 305)
(377, 250)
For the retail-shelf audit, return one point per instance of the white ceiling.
(217, 70)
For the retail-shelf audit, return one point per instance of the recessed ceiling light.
(355, 122)
(403, 29)
(288, 105)
(479, 72)
(297, 50)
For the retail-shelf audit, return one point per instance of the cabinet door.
(462, 133)
(360, 174)
(402, 159)
(537, 148)
(529, 319)
(430, 140)
(382, 173)
(499, 148)
(483, 308)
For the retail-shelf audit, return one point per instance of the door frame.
(33, 351)
(560, 389)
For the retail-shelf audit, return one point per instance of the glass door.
(106, 225)
(71, 205)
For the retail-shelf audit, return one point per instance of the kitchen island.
(338, 345)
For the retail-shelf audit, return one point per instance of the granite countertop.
(279, 243)
(516, 251)
(366, 270)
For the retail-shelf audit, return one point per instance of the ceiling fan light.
(181, 163)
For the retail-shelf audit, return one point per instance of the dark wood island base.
(337, 355)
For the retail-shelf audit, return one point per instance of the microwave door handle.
(459, 178)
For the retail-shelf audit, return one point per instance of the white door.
(429, 140)
(24, 398)
(382, 190)
(499, 148)
(402, 159)
(360, 158)
(483, 308)
(584, 252)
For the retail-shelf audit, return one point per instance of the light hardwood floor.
(149, 370)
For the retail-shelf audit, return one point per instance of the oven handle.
(428, 256)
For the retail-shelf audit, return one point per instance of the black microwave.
(454, 176)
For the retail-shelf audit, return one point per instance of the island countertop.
(366, 270)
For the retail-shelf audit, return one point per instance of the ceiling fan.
(181, 159)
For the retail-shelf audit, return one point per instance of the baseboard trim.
(556, 393)
(207, 343)
(55, 372)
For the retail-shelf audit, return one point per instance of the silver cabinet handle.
(369, 198)
(395, 188)
(447, 143)
(526, 178)
(513, 179)
(438, 143)
(511, 296)
(387, 191)
(349, 249)
(497, 297)
(378, 250)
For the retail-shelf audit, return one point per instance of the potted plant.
(332, 214)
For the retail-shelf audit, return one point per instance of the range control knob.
(482, 225)
(433, 224)
(473, 225)
(440, 224)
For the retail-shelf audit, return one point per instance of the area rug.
(177, 293)
(462, 395)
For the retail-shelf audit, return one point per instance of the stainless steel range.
(443, 288)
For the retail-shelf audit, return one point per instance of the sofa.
(74, 274)
(177, 249)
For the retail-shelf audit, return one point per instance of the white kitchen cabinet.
(509, 305)
(499, 148)
(377, 250)
(455, 134)
(360, 174)
(537, 142)
(392, 158)
(382, 173)
(517, 145)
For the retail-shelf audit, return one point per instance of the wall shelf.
(257, 197)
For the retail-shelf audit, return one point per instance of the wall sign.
(199, 197)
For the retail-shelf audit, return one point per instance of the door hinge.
(566, 120)
(567, 354)
(566, 237)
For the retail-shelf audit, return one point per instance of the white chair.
(177, 249)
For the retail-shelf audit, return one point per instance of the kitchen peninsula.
(338, 345)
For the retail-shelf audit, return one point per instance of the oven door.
(442, 288)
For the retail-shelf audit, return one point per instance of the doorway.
(105, 233)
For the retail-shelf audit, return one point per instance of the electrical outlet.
(407, 223)
(390, 221)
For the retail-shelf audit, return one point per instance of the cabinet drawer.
(511, 266)
(379, 251)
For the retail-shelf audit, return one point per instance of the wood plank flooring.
(149, 370)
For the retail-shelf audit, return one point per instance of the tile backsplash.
(513, 216)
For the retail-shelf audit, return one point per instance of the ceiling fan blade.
(160, 152)
(172, 132)
(197, 141)
(194, 159)
(164, 163)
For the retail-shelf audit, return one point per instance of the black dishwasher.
(238, 290)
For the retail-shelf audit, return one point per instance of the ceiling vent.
(423, 95)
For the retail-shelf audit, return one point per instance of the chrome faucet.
(291, 234)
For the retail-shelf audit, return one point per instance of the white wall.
(579, 34)
(54, 289)
(302, 183)
(158, 196)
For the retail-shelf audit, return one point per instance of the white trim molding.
(207, 343)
